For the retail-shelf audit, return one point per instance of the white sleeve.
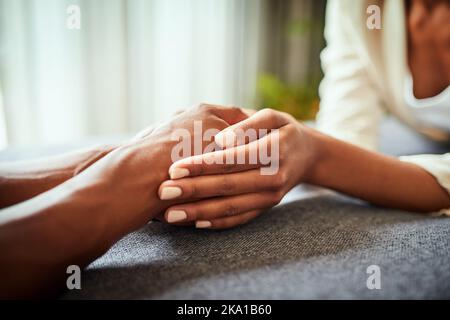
(350, 107)
(436, 165)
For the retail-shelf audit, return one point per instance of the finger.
(256, 154)
(251, 128)
(221, 207)
(161, 219)
(221, 185)
(228, 222)
(230, 114)
(249, 112)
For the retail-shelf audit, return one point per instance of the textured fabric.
(315, 245)
(312, 248)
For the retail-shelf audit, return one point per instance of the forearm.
(78, 220)
(43, 236)
(379, 179)
(74, 223)
(20, 181)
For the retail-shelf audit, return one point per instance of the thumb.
(231, 115)
(251, 129)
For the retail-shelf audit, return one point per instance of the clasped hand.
(224, 194)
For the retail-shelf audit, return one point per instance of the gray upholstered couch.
(316, 244)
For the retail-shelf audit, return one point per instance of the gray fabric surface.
(312, 248)
(316, 244)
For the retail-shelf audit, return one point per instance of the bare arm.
(371, 176)
(20, 181)
(75, 222)
(305, 155)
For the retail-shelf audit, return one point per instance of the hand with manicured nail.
(231, 194)
(113, 193)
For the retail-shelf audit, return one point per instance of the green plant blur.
(300, 100)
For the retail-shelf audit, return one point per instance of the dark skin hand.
(77, 220)
(72, 214)
(23, 180)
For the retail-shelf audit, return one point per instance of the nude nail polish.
(169, 193)
(176, 216)
(203, 224)
(178, 173)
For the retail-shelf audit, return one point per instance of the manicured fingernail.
(168, 193)
(226, 138)
(178, 173)
(203, 224)
(176, 216)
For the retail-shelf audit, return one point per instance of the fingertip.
(182, 167)
(169, 192)
(203, 224)
(178, 173)
(175, 215)
(161, 186)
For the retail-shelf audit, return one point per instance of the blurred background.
(136, 62)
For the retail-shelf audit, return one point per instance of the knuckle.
(234, 109)
(279, 180)
(269, 113)
(289, 130)
(204, 106)
(289, 116)
(231, 210)
(197, 170)
(276, 197)
(226, 186)
(190, 191)
(193, 213)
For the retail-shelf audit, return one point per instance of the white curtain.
(133, 62)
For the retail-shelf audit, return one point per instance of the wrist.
(138, 169)
(114, 193)
(95, 154)
(318, 144)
